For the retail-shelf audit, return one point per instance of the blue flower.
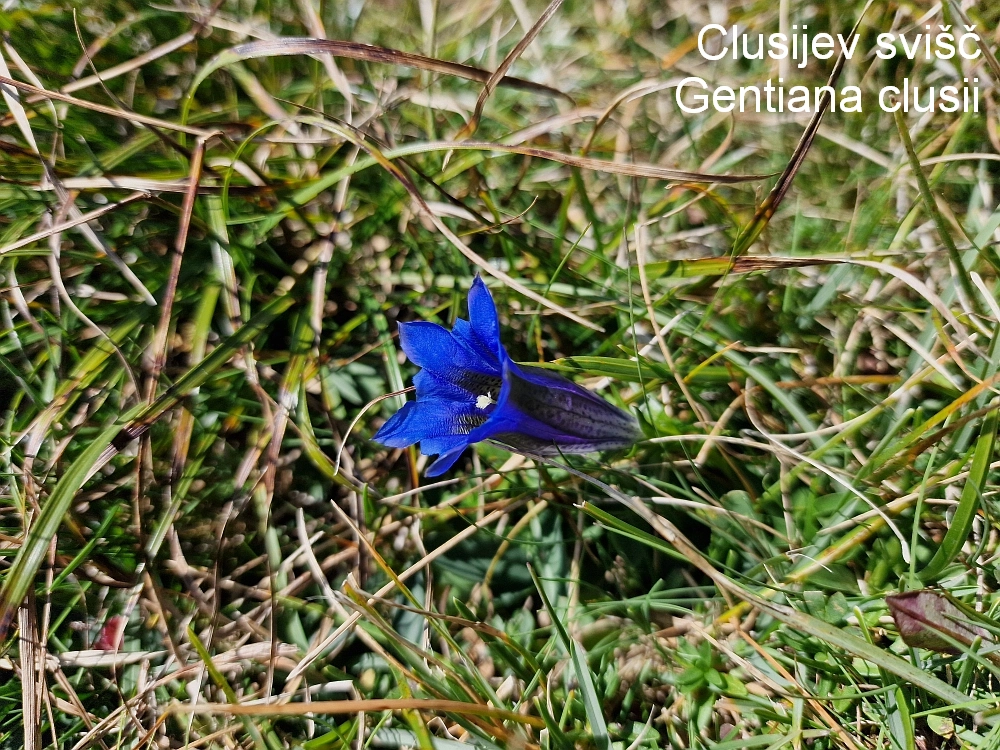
(469, 390)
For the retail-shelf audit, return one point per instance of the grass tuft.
(213, 218)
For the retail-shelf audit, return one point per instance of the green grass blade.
(21, 576)
(968, 504)
(591, 704)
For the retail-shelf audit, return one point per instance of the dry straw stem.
(129, 65)
(766, 210)
(354, 706)
(159, 348)
(130, 116)
(498, 75)
(363, 52)
(32, 674)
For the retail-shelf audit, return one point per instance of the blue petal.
(395, 433)
(444, 462)
(432, 347)
(439, 426)
(467, 337)
(442, 444)
(483, 317)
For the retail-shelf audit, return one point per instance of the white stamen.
(483, 401)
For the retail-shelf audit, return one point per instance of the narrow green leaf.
(29, 558)
(968, 504)
(84, 554)
(591, 704)
(628, 530)
(930, 205)
(900, 723)
(219, 679)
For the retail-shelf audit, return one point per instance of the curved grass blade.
(685, 269)
(762, 216)
(707, 266)
(354, 51)
(968, 504)
(591, 704)
(501, 72)
(335, 707)
(630, 169)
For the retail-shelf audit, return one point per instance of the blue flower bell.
(469, 390)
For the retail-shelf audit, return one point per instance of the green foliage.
(190, 501)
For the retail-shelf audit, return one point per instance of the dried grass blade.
(313, 22)
(634, 169)
(991, 59)
(354, 706)
(136, 62)
(13, 102)
(358, 51)
(81, 219)
(124, 182)
(29, 75)
(130, 116)
(159, 348)
(652, 171)
(32, 676)
(767, 209)
(473, 124)
(731, 266)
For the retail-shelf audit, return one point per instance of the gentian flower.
(470, 390)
